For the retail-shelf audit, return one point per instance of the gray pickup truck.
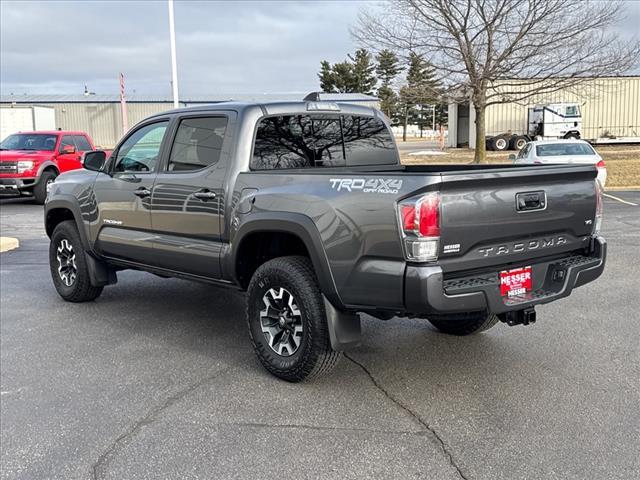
(306, 207)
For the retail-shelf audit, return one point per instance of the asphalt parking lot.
(157, 379)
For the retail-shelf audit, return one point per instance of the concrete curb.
(8, 243)
(623, 189)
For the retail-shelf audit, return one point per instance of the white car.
(561, 151)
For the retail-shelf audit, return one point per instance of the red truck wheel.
(40, 190)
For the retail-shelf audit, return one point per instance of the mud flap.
(345, 330)
(100, 274)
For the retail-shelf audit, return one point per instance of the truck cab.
(29, 161)
(555, 120)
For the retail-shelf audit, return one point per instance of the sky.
(222, 46)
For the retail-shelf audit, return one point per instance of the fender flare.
(297, 224)
(100, 274)
(68, 202)
(47, 164)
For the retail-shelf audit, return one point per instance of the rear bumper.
(13, 186)
(427, 291)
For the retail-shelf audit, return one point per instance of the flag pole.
(174, 63)
(123, 106)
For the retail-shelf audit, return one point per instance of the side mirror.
(512, 157)
(94, 160)
(68, 149)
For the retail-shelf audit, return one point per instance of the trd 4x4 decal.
(373, 185)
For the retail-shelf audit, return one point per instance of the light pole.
(174, 63)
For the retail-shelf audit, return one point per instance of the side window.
(367, 141)
(67, 141)
(82, 143)
(572, 111)
(198, 143)
(140, 151)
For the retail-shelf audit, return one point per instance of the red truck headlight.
(25, 165)
(419, 220)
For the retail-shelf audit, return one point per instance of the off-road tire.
(81, 289)
(462, 324)
(40, 190)
(314, 355)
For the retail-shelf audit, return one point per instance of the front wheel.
(40, 190)
(68, 265)
(462, 324)
(287, 320)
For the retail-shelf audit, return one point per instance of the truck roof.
(281, 107)
(55, 132)
(558, 140)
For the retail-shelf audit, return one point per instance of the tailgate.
(511, 216)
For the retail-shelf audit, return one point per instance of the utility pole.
(434, 118)
(174, 63)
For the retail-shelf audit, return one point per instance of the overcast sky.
(223, 47)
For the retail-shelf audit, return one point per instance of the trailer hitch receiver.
(519, 317)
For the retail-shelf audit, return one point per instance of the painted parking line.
(620, 199)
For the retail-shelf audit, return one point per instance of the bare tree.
(498, 51)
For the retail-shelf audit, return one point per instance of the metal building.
(610, 107)
(100, 115)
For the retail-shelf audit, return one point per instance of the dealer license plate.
(515, 282)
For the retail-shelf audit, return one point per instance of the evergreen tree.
(422, 89)
(355, 75)
(387, 69)
(326, 77)
(363, 69)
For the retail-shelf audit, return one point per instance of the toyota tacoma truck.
(29, 161)
(306, 207)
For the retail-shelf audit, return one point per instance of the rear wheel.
(68, 266)
(287, 320)
(463, 323)
(500, 143)
(517, 142)
(574, 135)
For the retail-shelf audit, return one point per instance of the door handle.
(142, 192)
(205, 195)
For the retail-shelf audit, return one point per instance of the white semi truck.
(549, 122)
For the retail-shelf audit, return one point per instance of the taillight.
(420, 222)
(600, 164)
(597, 221)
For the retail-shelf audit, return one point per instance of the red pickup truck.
(31, 160)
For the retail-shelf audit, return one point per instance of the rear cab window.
(321, 140)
